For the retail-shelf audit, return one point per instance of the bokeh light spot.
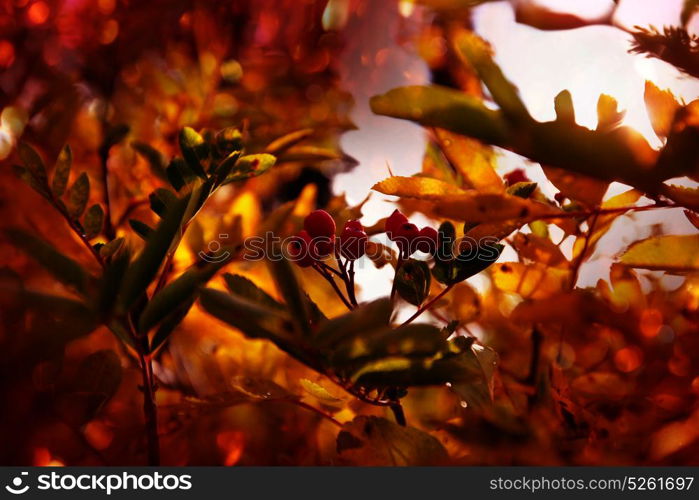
(628, 359)
(38, 13)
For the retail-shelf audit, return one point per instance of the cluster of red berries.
(317, 239)
(408, 237)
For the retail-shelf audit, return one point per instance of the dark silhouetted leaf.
(78, 195)
(141, 228)
(63, 268)
(176, 293)
(142, 271)
(33, 163)
(155, 159)
(94, 218)
(61, 171)
(374, 441)
(194, 149)
(413, 281)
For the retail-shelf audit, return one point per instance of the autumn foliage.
(180, 285)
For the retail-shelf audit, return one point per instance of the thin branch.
(330, 280)
(429, 304)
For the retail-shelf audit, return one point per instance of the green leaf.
(154, 158)
(290, 290)
(374, 441)
(194, 149)
(61, 171)
(412, 341)
(141, 228)
(229, 140)
(28, 178)
(114, 135)
(34, 164)
(286, 141)
(78, 194)
(176, 293)
(477, 52)
(674, 254)
(242, 286)
(413, 281)
(161, 199)
(442, 107)
(362, 321)
(472, 261)
(226, 166)
(117, 261)
(168, 325)
(142, 271)
(63, 268)
(522, 189)
(250, 166)
(256, 321)
(94, 218)
(51, 323)
(179, 174)
(109, 249)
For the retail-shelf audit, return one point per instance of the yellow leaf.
(423, 188)
(464, 304)
(607, 115)
(534, 281)
(677, 254)
(685, 196)
(473, 206)
(604, 222)
(319, 392)
(577, 187)
(474, 161)
(661, 106)
(538, 249)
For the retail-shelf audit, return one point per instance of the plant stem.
(150, 409)
(330, 280)
(429, 304)
(578, 263)
(76, 230)
(350, 284)
(398, 413)
(109, 231)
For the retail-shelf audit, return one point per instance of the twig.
(330, 280)
(109, 231)
(150, 409)
(579, 261)
(429, 304)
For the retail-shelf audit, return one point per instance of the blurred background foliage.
(588, 375)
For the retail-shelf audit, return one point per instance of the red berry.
(559, 197)
(319, 224)
(405, 236)
(427, 240)
(353, 243)
(354, 224)
(394, 222)
(301, 249)
(517, 175)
